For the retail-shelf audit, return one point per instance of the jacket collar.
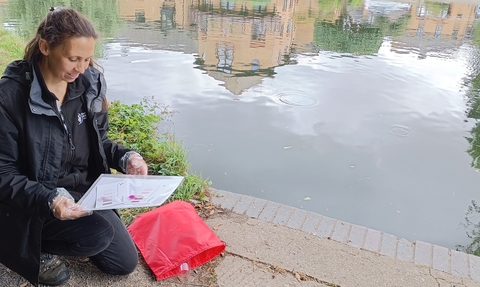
(42, 100)
(91, 83)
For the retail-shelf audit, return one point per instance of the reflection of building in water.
(244, 48)
(241, 41)
(235, 43)
(450, 22)
(442, 20)
(168, 13)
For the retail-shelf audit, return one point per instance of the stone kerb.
(419, 252)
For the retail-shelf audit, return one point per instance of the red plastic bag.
(173, 235)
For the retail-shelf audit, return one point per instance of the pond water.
(364, 111)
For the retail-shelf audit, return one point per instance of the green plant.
(128, 215)
(193, 186)
(10, 48)
(135, 127)
(472, 225)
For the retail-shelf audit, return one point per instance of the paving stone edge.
(419, 252)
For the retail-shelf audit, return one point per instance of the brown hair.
(60, 24)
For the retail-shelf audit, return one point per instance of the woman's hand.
(65, 208)
(136, 165)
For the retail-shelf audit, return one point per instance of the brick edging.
(419, 252)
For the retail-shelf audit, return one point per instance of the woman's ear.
(43, 47)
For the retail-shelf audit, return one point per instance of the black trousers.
(101, 236)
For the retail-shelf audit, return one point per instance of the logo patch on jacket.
(81, 117)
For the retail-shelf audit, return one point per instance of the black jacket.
(31, 144)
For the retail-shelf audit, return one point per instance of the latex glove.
(64, 207)
(134, 164)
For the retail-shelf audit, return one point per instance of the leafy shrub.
(135, 126)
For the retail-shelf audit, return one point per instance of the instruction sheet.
(112, 191)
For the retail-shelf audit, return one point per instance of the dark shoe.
(53, 271)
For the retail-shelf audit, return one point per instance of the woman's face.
(69, 59)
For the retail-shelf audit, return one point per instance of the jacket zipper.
(70, 140)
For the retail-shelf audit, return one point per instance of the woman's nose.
(81, 66)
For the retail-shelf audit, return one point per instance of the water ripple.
(294, 99)
(402, 131)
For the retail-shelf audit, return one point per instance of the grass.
(135, 126)
(11, 48)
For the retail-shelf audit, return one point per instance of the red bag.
(172, 236)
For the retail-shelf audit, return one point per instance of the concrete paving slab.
(441, 258)
(283, 215)
(256, 207)
(311, 222)
(297, 218)
(324, 260)
(405, 250)
(243, 204)
(388, 245)
(269, 211)
(372, 240)
(423, 253)
(341, 231)
(326, 226)
(234, 272)
(459, 264)
(357, 236)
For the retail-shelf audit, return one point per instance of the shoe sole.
(58, 282)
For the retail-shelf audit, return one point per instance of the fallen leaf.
(287, 147)
(307, 198)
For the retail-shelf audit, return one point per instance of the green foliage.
(128, 215)
(476, 34)
(26, 14)
(10, 48)
(172, 158)
(472, 225)
(436, 9)
(472, 80)
(191, 186)
(345, 36)
(135, 127)
(359, 40)
(474, 149)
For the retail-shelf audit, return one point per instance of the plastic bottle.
(184, 273)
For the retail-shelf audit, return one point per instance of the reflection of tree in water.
(257, 7)
(473, 98)
(26, 14)
(472, 226)
(348, 36)
(472, 216)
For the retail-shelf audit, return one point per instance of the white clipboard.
(112, 191)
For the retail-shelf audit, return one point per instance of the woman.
(53, 139)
